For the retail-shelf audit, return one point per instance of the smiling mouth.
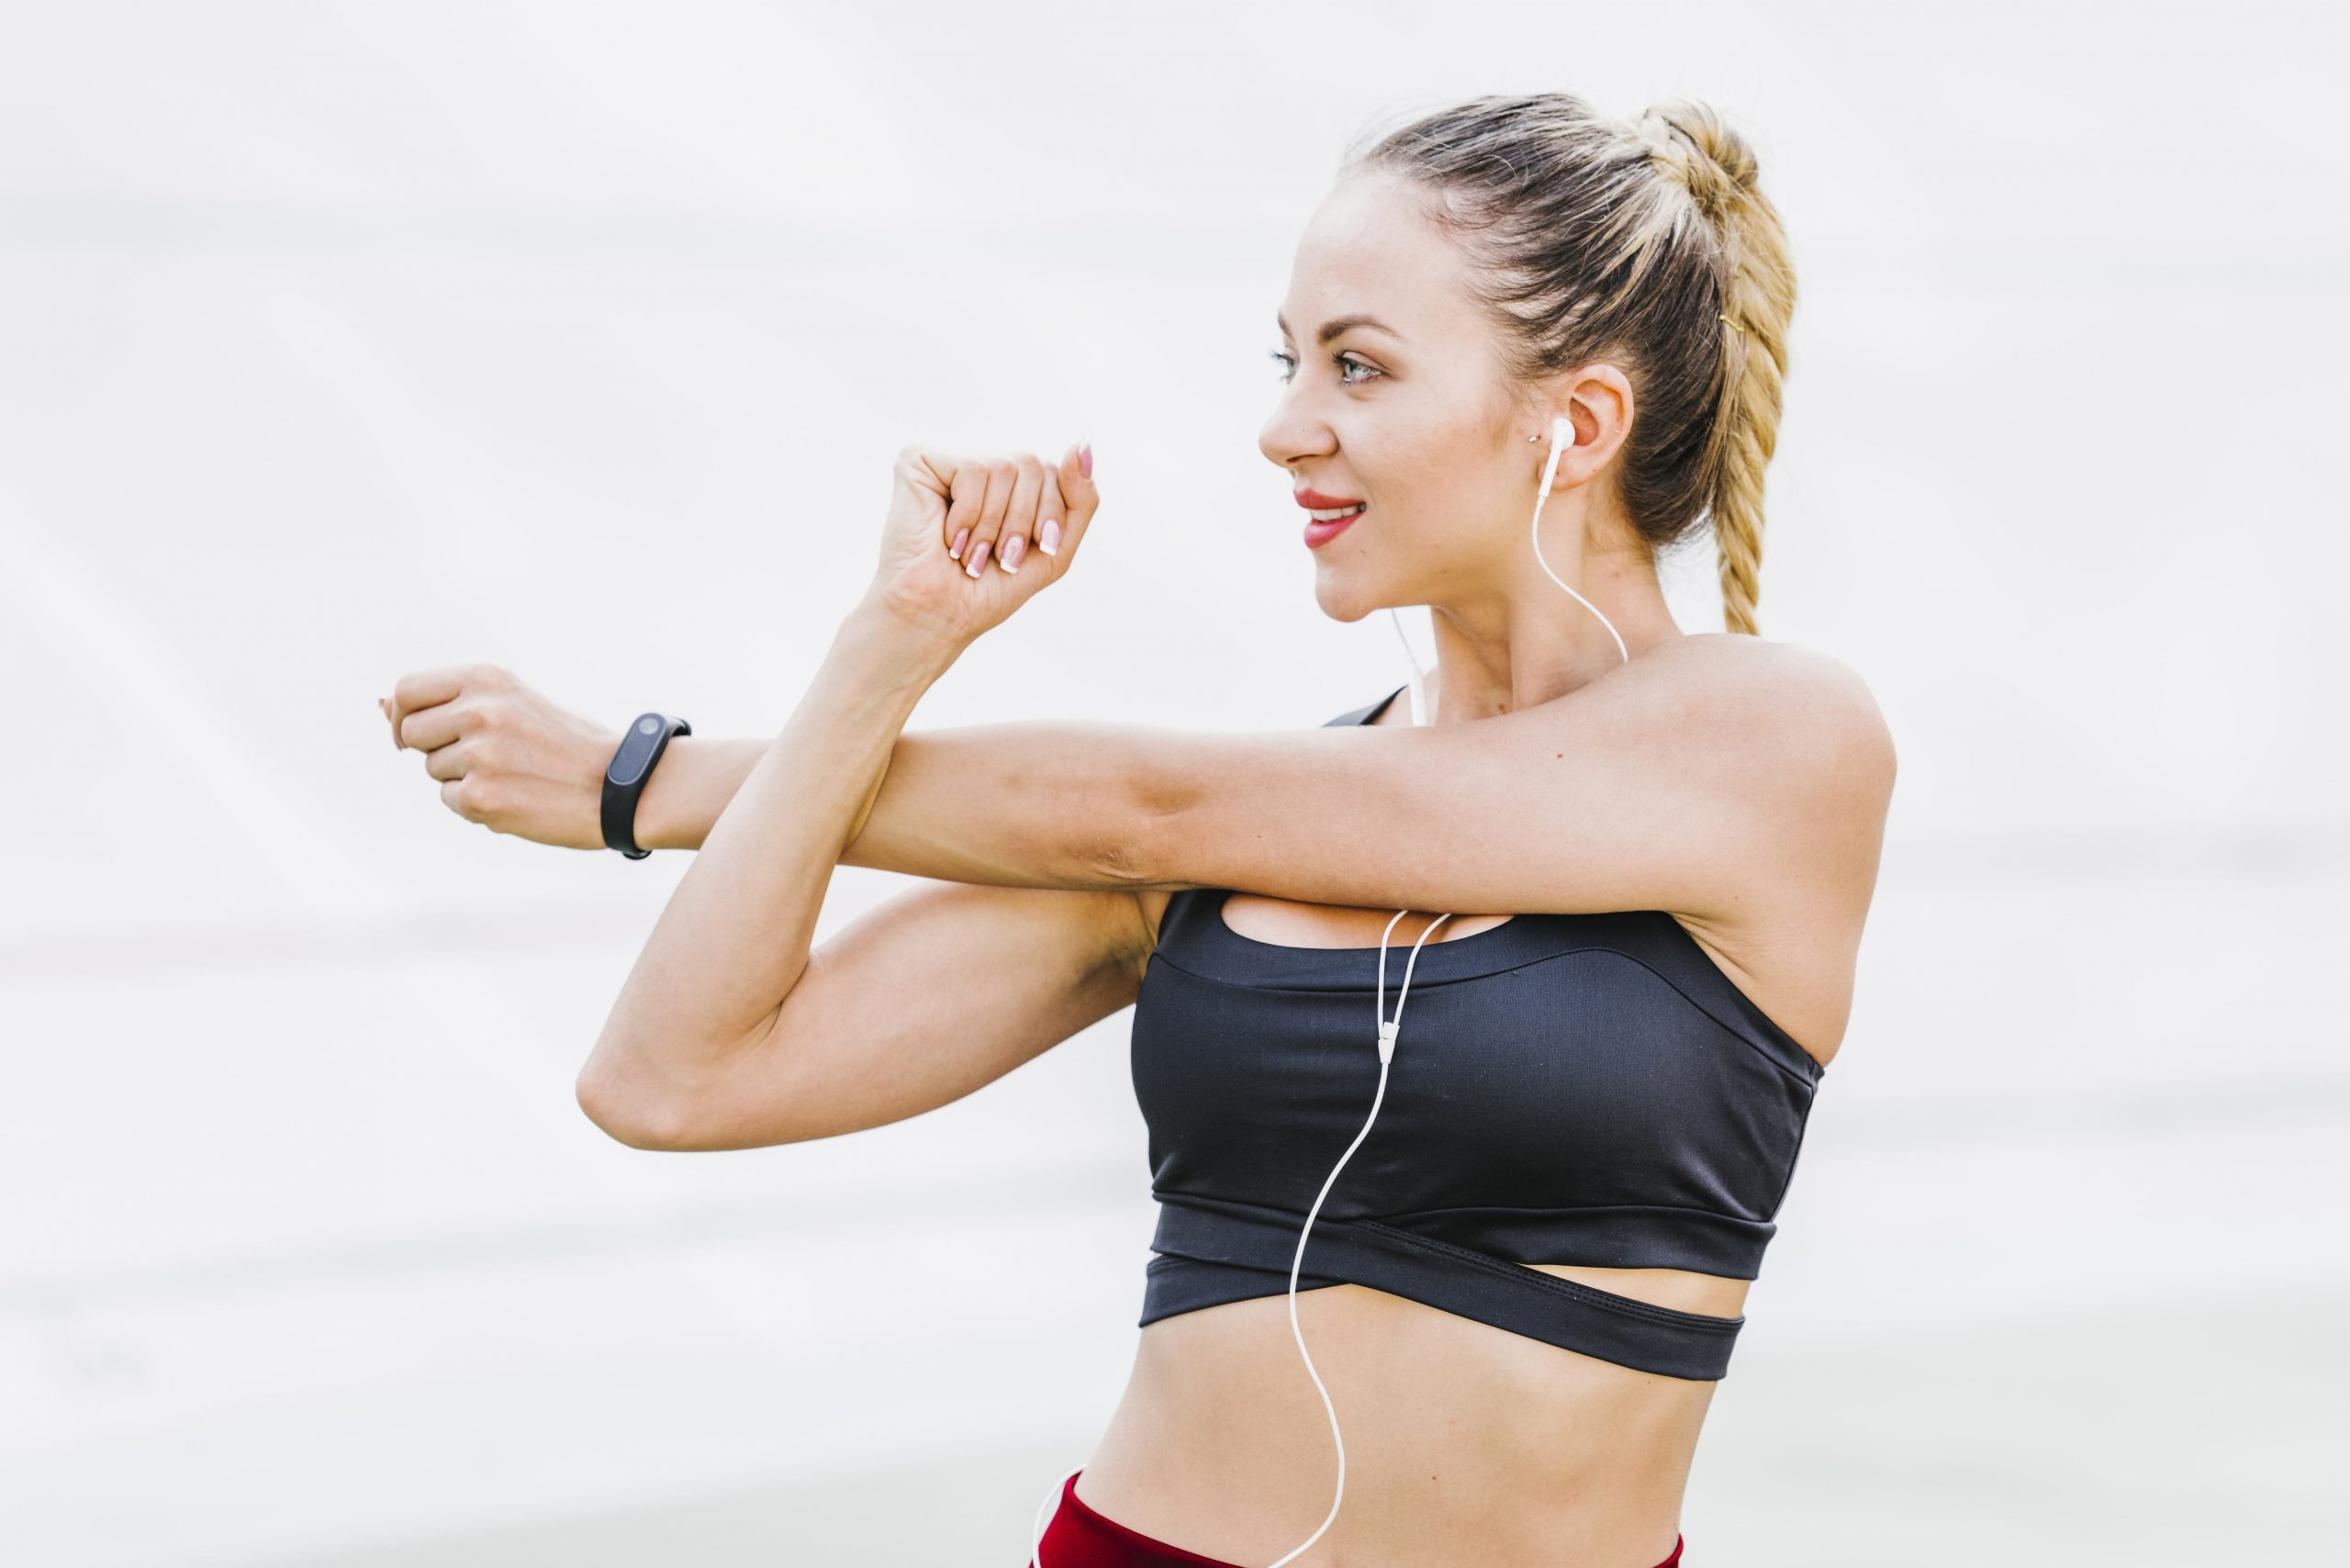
(1320, 530)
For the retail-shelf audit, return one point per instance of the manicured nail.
(1085, 460)
(1010, 559)
(954, 551)
(1049, 540)
(978, 558)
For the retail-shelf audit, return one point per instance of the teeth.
(1334, 516)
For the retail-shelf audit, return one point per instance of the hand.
(996, 508)
(507, 757)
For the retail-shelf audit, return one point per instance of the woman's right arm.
(916, 1003)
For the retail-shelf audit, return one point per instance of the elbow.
(1126, 864)
(1139, 848)
(626, 1118)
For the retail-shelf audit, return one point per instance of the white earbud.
(1563, 436)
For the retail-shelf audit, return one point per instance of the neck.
(1534, 643)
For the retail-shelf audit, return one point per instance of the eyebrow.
(1338, 324)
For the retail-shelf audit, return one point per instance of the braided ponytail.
(1715, 165)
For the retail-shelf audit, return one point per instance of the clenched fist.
(955, 548)
(507, 757)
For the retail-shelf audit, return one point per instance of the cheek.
(1434, 471)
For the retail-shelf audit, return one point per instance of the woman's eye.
(1288, 364)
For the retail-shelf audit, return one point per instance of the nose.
(1291, 435)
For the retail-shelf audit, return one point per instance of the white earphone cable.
(1563, 436)
(1388, 1029)
(1419, 689)
(1052, 1500)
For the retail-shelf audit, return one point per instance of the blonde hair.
(1646, 243)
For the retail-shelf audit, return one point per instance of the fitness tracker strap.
(625, 775)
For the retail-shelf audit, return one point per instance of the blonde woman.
(1440, 1284)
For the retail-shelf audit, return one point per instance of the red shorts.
(1080, 1538)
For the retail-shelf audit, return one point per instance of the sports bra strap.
(1442, 1274)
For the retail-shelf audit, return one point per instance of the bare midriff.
(1465, 1442)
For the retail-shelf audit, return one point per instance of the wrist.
(660, 815)
(898, 650)
(587, 817)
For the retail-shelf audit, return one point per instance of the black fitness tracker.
(625, 775)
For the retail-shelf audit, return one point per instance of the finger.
(967, 490)
(930, 469)
(1078, 491)
(1003, 477)
(431, 730)
(935, 469)
(1020, 518)
(1052, 514)
(999, 476)
(423, 689)
(458, 799)
(449, 762)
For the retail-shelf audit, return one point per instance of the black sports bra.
(1584, 1089)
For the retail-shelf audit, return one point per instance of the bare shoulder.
(1812, 742)
(1795, 738)
(1807, 716)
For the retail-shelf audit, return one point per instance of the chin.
(1343, 599)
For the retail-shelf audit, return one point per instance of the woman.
(1523, 1292)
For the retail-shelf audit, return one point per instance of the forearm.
(1083, 779)
(690, 787)
(1079, 788)
(734, 937)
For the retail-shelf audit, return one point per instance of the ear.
(1597, 398)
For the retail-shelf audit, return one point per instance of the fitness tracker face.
(625, 775)
(638, 751)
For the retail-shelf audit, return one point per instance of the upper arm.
(914, 1004)
(1689, 780)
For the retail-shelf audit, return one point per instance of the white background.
(338, 341)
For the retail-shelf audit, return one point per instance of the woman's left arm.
(1706, 772)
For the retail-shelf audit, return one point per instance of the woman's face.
(1407, 411)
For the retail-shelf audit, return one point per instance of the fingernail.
(1085, 460)
(1010, 559)
(954, 551)
(978, 558)
(1050, 539)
